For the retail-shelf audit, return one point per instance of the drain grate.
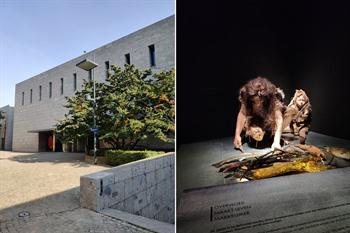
(23, 214)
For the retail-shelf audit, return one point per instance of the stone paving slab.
(46, 185)
(147, 223)
(28, 176)
(72, 221)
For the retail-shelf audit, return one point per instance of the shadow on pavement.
(63, 201)
(76, 159)
(59, 213)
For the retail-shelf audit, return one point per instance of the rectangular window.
(50, 89)
(75, 81)
(107, 68)
(90, 75)
(39, 93)
(22, 98)
(61, 86)
(31, 95)
(152, 55)
(127, 58)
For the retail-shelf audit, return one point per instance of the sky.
(37, 35)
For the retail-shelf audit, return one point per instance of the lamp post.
(89, 65)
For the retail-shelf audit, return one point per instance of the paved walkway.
(44, 189)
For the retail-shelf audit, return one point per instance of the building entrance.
(48, 142)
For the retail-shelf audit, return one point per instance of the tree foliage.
(130, 106)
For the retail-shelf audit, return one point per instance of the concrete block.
(169, 173)
(156, 216)
(138, 168)
(128, 187)
(150, 179)
(89, 189)
(151, 194)
(118, 192)
(150, 165)
(163, 215)
(121, 173)
(167, 161)
(172, 172)
(171, 213)
(106, 177)
(119, 206)
(172, 159)
(155, 208)
(138, 183)
(161, 189)
(159, 163)
(140, 201)
(146, 211)
(129, 204)
(168, 196)
(160, 175)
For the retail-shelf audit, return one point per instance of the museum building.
(39, 100)
(6, 127)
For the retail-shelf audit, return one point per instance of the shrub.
(119, 157)
(99, 152)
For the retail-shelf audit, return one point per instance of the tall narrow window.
(152, 55)
(75, 81)
(50, 89)
(39, 93)
(22, 98)
(90, 75)
(107, 68)
(31, 96)
(127, 58)
(61, 86)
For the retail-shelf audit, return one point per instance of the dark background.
(295, 44)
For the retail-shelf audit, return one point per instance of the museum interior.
(296, 45)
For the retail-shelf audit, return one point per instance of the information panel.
(317, 202)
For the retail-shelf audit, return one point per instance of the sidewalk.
(43, 188)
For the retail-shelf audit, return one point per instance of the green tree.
(130, 106)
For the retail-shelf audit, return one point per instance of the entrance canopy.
(40, 130)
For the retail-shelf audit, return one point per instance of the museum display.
(297, 116)
(291, 159)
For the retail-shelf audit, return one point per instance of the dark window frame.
(107, 68)
(22, 97)
(31, 96)
(90, 75)
(152, 55)
(74, 81)
(127, 58)
(50, 89)
(61, 89)
(40, 92)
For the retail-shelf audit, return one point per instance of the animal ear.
(280, 94)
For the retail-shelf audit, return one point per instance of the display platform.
(313, 202)
(207, 202)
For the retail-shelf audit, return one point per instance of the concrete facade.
(35, 114)
(145, 188)
(6, 127)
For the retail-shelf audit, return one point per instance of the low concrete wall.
(145, 187)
